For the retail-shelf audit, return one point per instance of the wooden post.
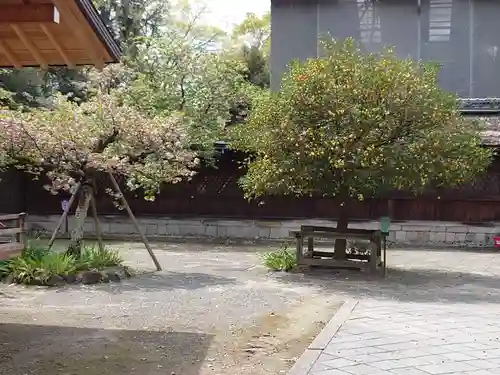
(390, 205)
(64, 215)
(375, 244)
(21, 223)
(385, 256)
(310, 246)
(98, 229)
(300, 254)
(134, 220)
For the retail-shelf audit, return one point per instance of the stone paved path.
(401, 338)
(437, 313)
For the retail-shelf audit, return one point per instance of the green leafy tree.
(352, 125)
(26, 87)
(252, 39)
(180, 72)
(130, 19)
(250, 46)
(256, 67)
(33, 88)
(256, 31)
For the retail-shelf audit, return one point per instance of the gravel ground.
(213, 310)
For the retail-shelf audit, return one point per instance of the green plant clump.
(95, 258)
(4, 268)
(280, 260)
(35, 251)
(37, 264)
(28, 270)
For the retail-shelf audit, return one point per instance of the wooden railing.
(12, 235)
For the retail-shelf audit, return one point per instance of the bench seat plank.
(11, 216)
(9, 250)
(10, 231)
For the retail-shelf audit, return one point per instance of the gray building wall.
(293, 36)
(462, 35)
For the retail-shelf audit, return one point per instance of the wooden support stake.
(134, 220)
(98, 230)
(64, 215)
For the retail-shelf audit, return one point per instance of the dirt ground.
(213, 310)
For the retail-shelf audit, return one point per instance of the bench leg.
(300, 254)
(374, 256)
(310, 246)
(21, 237)
(385, 256)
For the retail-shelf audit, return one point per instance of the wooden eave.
(43, 33)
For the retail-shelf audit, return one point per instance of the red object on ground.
(496, 241)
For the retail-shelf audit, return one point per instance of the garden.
(212, 310)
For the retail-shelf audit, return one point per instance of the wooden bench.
(311, 257)
(11, 236)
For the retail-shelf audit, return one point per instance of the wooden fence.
(214, 192)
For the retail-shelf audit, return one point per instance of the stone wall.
(401, 233)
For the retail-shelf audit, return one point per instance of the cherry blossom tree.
(70, 143)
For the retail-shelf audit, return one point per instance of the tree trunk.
(342, 223)
(75, 245)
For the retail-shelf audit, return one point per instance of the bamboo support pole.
(134, 221)
(64, 215)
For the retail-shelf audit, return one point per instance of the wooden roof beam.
(25, 13)
(79, 31)
(5, 49)
(57, 46)
(30, 46)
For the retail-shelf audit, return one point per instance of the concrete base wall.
(402, 233)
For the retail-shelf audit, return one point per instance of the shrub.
(37, 264)
(24, 265)
(25, 270)
(34, 251)
(58, 264)
(34, 268)
(4, 268)
(281, 260)
(95, 258)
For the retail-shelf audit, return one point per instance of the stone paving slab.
(437, 312)
(402, 338)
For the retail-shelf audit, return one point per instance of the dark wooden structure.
(12, 229)
(215, 193)
(45, 33)
(369, 260)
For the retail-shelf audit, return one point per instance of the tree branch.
(139, 157)
(105, 141)
(183, 94)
